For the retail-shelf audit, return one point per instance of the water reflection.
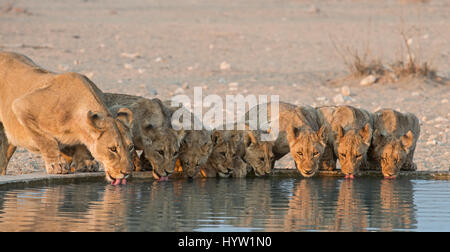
(216, 205)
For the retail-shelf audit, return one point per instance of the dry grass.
(362, 63)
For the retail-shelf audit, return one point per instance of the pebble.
(443, 101)
(233, 84)
(369, 80)
(130, 55)
(179, 90)
(338, 99)
(415, 93)
(321, 98)
(63, 67)
(158, 59)
(128, 66)
(432, 142)
(345, 91)
(141, 70)
(225, 66)
(185, 85)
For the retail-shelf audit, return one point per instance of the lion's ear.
(180, 135)
(366, 134)
(340, 133)
(249, 138)
(96, 120)
(323, 135)
(291, 133)
(125, 115)
(407, 140)
(216, 137)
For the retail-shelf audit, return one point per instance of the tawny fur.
(394, 141)
(45, 112)
(349, 137)
(299, 134)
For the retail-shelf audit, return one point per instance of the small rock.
(225, 66)
(321, 98)
(440, 119)
(141, 70)
(443, 101)
(294, 84)
(313, 9)
(233, 84)
(89, 74)
(345, 91)
(158, 59)
(222, 80)
(179, 91)
(432, 142)
(338, 99)
(128, 66)
(415, 93)
(63, 67)
(369, 80)
(153, 91)
(185, 85)
(130, 55)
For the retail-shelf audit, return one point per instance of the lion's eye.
(131, 148)
(316, 153)
(358, 156)
(300, 153)
(113, 149)
(161, 152)
(149, 127)
(175, 153)
(343, 155)
(222, 153)
(261, 159)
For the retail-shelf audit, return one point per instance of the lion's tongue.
(165, 178)
(119, 181)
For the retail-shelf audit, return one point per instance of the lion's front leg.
(6, 151)
(48, 146)
(82, 160)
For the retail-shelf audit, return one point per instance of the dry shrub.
(362, 63)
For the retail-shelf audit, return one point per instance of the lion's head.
(352, 148)
(113, 143)
(306, 147)
(195, 150)
(258, 154)
(221, 158)
(391, 152)
(152, 133)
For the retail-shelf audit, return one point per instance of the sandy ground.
(283, 47)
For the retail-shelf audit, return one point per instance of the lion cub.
(248, 147)
(196, 146)
(221, 159)
(394, 141)
(299, 134)
(349, 137)
(151, 131)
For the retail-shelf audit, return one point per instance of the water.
(269, 204)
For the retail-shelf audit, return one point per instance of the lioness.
(299, 134)
(394, 141)
(44, 112)
(349, 137)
